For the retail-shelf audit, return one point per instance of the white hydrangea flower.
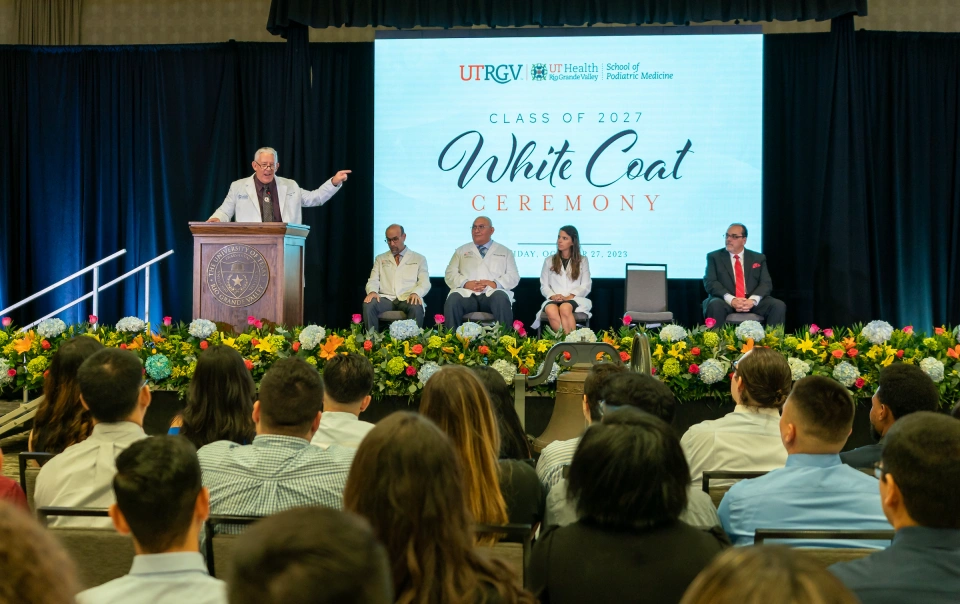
(750, 330)
(311, 336)
(5, 377)
(877, 332)
(426, 371)
(201, 328)
(584, 334)
(404, 330)
(799, 369)
(711, 371)
(470, 330)
(130, 325)
(933, 368)
(672, 333)
(51, 328)
(846, 374)
(505, 369)
(554, 372)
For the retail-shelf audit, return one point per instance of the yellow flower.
(93, 335)
(231, 342)
(659, 351)
(542, 346)
(874, 352)
(806, 345)
(265, 345)
(514, 351)
(609, 340)
(530, 362)
(461, 356)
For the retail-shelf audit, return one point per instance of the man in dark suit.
(737, 280)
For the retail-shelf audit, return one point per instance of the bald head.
(482, 230)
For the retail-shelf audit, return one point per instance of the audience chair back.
(483, 318)
(513, 547)
(100, 555)
(717, 493)
(826, 555)
(645, 294)
(28, 474)
(219, 548)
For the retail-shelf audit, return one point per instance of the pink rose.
(411, 370)
(439, 319)
(418, 348)
(828, 333)
(296, 346)
(168, 321)
(357, 319)
(11, 372)
(92, 319)
(814, 329)
(694, 369)
(522, 332)
(517, 325)
(204, 345)
(627, 321)
(695, 351)
(653, 371)
(251, 320)
(257, 324)
(710, 323)
(368, 345)
(7, 321)
(908, 329)
(860, 382)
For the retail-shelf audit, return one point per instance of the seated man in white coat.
(480, 276)
(398, 281)
(268, 198)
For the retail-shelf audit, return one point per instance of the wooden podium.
(243, 269)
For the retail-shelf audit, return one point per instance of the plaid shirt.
(273, 474)
(554, 456)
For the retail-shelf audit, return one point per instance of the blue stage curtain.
(285, 14)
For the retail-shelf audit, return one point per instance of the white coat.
(242, 202)
(393, 281)
(552, 284)
(467, 265)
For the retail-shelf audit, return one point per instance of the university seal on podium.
(237, 275)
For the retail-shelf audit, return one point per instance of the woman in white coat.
(565, 282)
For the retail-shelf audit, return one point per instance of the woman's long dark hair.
(220, 399)
(513, 440)
(61, 420)
(575, 256)
(407, 481)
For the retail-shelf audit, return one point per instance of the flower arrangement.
(404, 330)
(750, 330)
(878, 332)
(51, 328)
(695, 362)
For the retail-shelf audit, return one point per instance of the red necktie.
(397, 258)
(738, 273)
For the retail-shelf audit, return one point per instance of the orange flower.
(849, 343)
(329, 348)
(609, 340)
(136, 344)
(954, 353)
(157, 338)
(748, 346)
(25, 343)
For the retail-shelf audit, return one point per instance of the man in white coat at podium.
(398, 281)
(481, 276)
(268, 198)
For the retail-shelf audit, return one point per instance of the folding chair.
(28, 475)
(717, 493)
(645, 294)
(100, 555)
(514, 546)
(827, 555)
(219, 548)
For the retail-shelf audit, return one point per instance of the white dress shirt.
(242, 201)
(161, 579)
(498, 264)
(340, 428)
(82, 476)
(747, 439)
(733, 265)
(393, 281)
(554, 456)
(552, 284)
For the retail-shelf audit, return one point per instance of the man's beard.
(875, 434)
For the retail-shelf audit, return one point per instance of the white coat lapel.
(282, 194)
(253, 199)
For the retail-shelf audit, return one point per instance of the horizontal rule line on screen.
(551, 243)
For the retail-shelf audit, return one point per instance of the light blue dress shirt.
(810, 492)
(161, 579)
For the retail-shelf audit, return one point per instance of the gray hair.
(262, 150)
(487, 218)
(400, 226)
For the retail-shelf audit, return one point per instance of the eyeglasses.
(268, 166)
(878, 470)
(734, 237)
(393, 239)
(478, 227)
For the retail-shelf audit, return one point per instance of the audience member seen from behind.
(901, 390)
(310, 556)
(279, 469)
(10, 490)
(919, 474)
(629, 478)
(408, 481)
(113, 389)
(36, 569)
(347, 381)
(61, 419)
(219, 400)
(162, 505)
(513, 439)
(559, 453)
(455, 400)
(647, 394)
(766, 574)
(748, 438)
(565, 283)
(815, 490)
